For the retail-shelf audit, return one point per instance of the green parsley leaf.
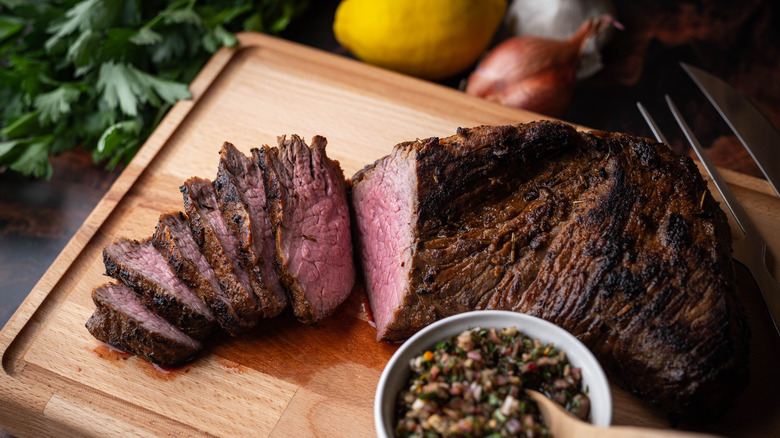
(34, 158)
(217, 38)
(115, 135)
(22, 126)
(124, 153)
(12, 3)
(62, 135)
(284, 18)
(168, 91)
(79, 17)
(9, 26)
(9, 150)
(125, 86)
(172, 46)
(224, 37)
(181, 16)
(254, 23)
(119, 87)
(101, 74)
(117, 46)
(81, 52)
(55, 105)
(146, 37)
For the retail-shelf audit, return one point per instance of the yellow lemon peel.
(432, 39)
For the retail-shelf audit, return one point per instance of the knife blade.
(754, 130)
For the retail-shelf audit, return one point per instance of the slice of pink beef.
(385, 209)
(124, 322)
(310, 216)
(241, 196)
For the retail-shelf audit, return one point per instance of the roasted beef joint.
(611, 237)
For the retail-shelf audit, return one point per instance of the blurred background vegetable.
(534, 73)
(559, 19)
(431, 39)
(101, 74)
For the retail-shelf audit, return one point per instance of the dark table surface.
(738, 41)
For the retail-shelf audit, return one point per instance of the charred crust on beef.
(632, 254)
(173, 239)
(241, 195)
(677, 232)
(219, 246)
(140, 266)
(122, 321)
(218, 263)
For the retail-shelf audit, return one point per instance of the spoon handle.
(639, 432)
(562, 423)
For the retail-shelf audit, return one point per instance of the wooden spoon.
(561, 423)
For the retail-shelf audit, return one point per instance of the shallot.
(534, 73)
(558, 19)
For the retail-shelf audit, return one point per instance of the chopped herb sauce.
(473, 384)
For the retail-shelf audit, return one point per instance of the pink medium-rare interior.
(263, 241)
(129, 304)
(384, 203)
(189, 249)
(146, 259)
(322, 260)
(224, 235)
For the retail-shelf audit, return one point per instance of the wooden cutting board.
(284, 378)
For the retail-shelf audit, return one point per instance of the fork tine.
(743, 220)
(751, 249)
(653, 126)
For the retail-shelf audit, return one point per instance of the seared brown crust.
(266, 159)
(156, 297)
(244, 301)
(114, 327)
(233, 207)
(644, 276)
(165, 243)
(612, 237)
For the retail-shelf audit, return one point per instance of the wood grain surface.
(283, 378)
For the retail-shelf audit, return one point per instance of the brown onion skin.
(533, 73)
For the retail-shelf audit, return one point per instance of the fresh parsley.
(101, 74)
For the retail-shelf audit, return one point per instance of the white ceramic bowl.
(396, 372)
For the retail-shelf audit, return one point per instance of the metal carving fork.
(750, 250)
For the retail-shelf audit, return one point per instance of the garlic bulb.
(558, 19)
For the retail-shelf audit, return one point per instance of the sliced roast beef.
(173, 238)
(310, 217)
(612, 237)
(124, 322)
(220, 247)
(140, 266)
(241, 196)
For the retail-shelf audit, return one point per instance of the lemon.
(431, 39)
